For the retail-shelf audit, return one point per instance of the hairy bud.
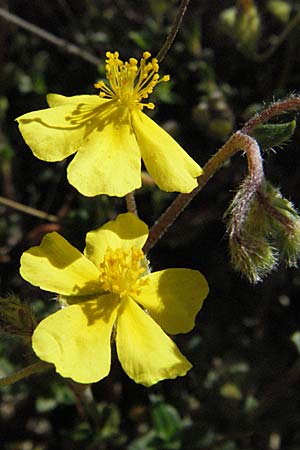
(263, 228)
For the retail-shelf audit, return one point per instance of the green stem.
(174, 30)
(24, 373)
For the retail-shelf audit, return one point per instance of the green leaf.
(166, 421)
(146, 442)
(272, 134)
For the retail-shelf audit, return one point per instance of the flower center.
(130, 84)
(122, 271)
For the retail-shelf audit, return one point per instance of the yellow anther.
(150, 105)
(130, 82)
(121, 271)
(99, 84)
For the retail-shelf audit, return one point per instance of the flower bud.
(251, 253)
(243, 24)
(253, 258)
(263, 228)
(284, 224)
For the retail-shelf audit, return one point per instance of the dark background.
(242, 393)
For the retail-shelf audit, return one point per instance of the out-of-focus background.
(243, 392)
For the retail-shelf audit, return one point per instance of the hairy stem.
(238, 141)
(275, 109)
(251, 186)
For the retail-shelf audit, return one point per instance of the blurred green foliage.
(242, 393)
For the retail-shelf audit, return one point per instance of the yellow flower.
(111, 134)
(107, 288)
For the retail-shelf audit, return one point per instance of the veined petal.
(58, 100)
(110, 161)
(170, 166)
(145, 352)
(173, 297)
(57, 266)
(55, 133)
(76, 339)
(125, 232)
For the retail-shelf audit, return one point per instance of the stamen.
(122, 271)
(129, 84)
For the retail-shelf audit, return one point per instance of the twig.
(28, 209)
(261, 57)
(86, 405)
(174, 30)
(59, 42)
(24, 373)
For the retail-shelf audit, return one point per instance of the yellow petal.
(57, 266)
(109, 162)
(55, 133)
(58, 100)
(145, 352)
(125, 232)
(173, 297)
(169, 165)
(76, 339)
